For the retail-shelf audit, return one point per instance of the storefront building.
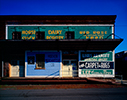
(58, 46)
(121, 64)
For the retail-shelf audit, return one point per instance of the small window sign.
(31, 59)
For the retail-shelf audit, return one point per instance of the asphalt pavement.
(65, 94)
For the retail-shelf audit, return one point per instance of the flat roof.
(58, 19)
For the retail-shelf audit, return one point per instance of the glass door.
(14, 69)
(17, 68)
(69, 68)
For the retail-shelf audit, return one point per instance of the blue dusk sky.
(72, 7)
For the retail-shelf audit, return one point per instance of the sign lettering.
(96, 65)
(96, 56)
(54, 37)
(58, 32)
(96, 72)
(28, 34)
(94, 34)
(54, 31)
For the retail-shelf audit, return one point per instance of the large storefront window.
(46, 64)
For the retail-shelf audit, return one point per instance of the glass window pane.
(69, 35)
(40, 61)
(40, 35)
(74, 63)
(14, 62)
(65, 62)
(31, 59)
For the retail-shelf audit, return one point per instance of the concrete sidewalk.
(61, 80)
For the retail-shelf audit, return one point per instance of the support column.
(2, 68)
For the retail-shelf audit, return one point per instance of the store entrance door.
(69, 68)
(14, 71)
(17, 68)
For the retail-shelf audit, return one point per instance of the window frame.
(38, 35)
(70, 35)
(33, 60)
(16, 35)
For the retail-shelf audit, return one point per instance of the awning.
(66, 44)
